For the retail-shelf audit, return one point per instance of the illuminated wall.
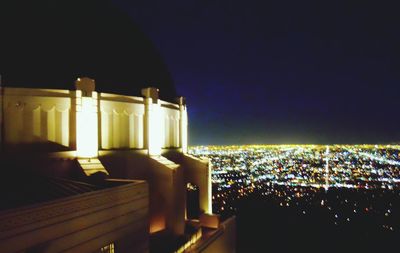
(91, 122)
(154, 127)
(86, 125)
(36, 116)
(183, 125)
(87, 121)
(171, 125)
(122, 122)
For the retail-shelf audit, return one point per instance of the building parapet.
(87, 121)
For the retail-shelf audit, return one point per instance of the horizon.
(199, 126)
(298, 144)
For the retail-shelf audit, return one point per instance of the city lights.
(351, 182)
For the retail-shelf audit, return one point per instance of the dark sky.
(48, 44)
(280, 71)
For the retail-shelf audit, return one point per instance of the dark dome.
(48, 44)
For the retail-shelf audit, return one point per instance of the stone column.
(86, 118)
(183, 125)
(153, 121)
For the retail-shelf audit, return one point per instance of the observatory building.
(87, 171)
(95, 165)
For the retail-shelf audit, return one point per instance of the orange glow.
(157, 224)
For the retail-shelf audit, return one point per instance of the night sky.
(280, 71)
(253, 72)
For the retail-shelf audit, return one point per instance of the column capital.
(181, 100)
(86, 85)
(150, 92)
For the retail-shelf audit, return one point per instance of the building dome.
(48, 44)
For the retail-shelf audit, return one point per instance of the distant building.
(86, 171)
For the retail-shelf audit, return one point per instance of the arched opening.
(192, 201)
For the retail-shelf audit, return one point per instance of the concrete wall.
(171, 116)
(87, 121)
(222, 240)
(82, 223)
(168, 194)
(37, 116)
(126, 133)
(196, 171)
(122, 121)
(166, 185)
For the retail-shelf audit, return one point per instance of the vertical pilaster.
(153, 121)
(86, 118)
(183, 125)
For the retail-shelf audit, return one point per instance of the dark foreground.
(309, 220)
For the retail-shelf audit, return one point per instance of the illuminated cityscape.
(124, 126)
(353, 188)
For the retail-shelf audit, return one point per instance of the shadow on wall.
(31, 179)
(37, 147)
